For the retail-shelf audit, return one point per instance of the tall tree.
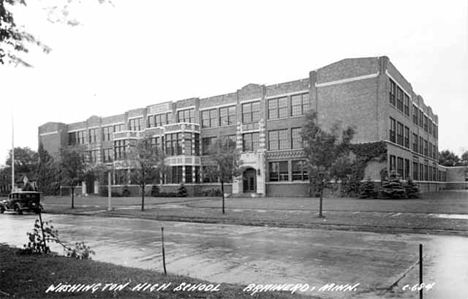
(149, 164)
(448, 158)
(326, 152)
(226, 163)
(464, 158)
(72, 168)
(47, 172)
(26, 160)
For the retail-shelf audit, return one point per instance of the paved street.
(264, 255)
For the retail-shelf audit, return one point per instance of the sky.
(131, 54)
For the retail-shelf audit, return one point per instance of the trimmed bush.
(125, 191)
(155, 191)
(367, 189)
(411, 189)
(393, 188)
(182, 192)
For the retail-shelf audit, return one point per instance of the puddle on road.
(450, 216)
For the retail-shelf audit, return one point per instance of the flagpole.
(12, 151)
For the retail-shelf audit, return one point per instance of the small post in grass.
(420, 271)
(163, 251)
(43, 235)
(109, 191)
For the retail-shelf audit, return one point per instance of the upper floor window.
(227, 116)
(392, 92)
(400, 133)
(392, 130)
(120, 149)
(209, 118)
(119, 128)
(278, 140)
(94, 156)
(415, 114)
(186, 116)
(299, 104)
(135, 124)
(425, 123)
(188, 144)
(250, 142)
(421, 118)
(407, 137)
(157, 142)
(278, 108)
(400, 99)
(251, 112)
(430, 127)
(173, 144)
(407, 101)
(107, 133)
(93, 135)
(421, 145)
(296, 138)
(415, 143)
(76, 137)
(206, 144)
(108, 155)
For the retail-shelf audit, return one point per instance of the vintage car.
(22, 201)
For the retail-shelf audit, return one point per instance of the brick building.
(265, 121)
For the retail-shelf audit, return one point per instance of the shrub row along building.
(265, 122)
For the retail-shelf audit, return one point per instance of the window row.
(283, 171)
(419, 171)
(224, 116)
(399, 98)
(400, 134)
(423, 121)
(278, 107)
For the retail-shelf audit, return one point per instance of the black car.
(22, 201)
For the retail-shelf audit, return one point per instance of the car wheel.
(18, 209)
(2, 209)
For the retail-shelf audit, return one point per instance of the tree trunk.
(73, 197)
(143, 197)
(222, 193)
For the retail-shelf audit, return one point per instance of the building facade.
(265, 122)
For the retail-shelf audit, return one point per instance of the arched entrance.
(249, 179)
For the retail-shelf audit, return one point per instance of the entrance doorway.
(250, 181)
(90, 183)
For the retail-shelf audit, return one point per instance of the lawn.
(39, 276)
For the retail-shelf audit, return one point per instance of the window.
(119, 128)
(392, 163)
(72, 138)
(173, 144)
(174, 175)
(250, 142)
(196, 140)
(206, 177)
(434, 152)
(436, 131)
(209, 118)
(93, 156)
(299, 104)
(430, 150)
(425, 123)
(107, 133)
(188, 144)
(421, 145)
(415, 171)
(186, 116)
(296, 138)
(108, 155)
(407, 169)
(188, 174)
(150, 121)
(392, 129)
(157, 142)
(227, 116)
(93, 135)
(407, 136)
(299, 171)
(421, 172)
(400, 133)
(134, 124)
(278, 140)
(81, 137)
(121, 177)
(278, 171)
(197, 174)
(415, 115)
(120, 149)
(430, 174)
(421, 118)
(400, 99)
(430, 127)
(434, 173)
(278, 108)
(206, 144)
(425, 148)
(400, 166)
(426, 171)
(250, 112)
(392, 92)
(415, 143)
(407, 100)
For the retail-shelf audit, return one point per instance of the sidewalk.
(436, 213)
